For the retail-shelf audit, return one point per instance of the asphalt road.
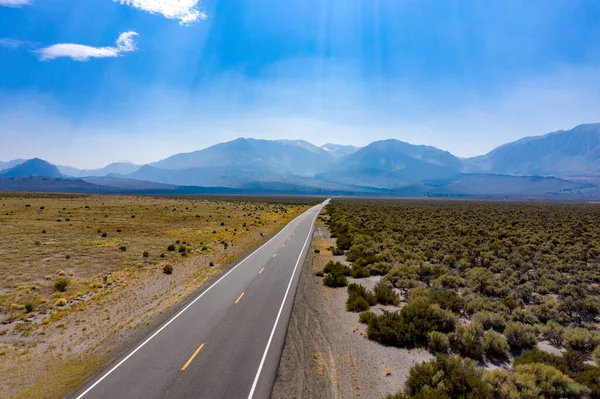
(227, 342)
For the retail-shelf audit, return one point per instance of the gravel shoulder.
(327, 353)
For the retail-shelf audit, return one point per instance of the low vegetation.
(480, 282)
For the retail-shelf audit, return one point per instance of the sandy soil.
(327, 353)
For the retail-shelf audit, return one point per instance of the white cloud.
(10, 43)
(186, 11)
(80, 52)
(14, 3)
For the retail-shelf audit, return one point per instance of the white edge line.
(264, 356)
(186, 308)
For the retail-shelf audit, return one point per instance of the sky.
(86, 83)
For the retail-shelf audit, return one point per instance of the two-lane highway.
(227, 342)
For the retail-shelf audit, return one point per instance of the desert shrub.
(211, 264)
(104, 235)
(336, 268)
(554, 333)
(449, 300)
(520, 336)
(168, 269)
(495, 346)
(449, 281)
(335, 280)
(62, 284)
(581, 339)
(359, 272)
(379, 268)
(337, 252)
(490, 320)
(182, 249)
(537, 380)
(171, 247)
(385, 293)
(468, 341)
(438, 342)
(447, 377)
(29, 306)
(359, 298)
(319, 273)
(317, 251)
(123, 248)
(409, 326)
(145, 254)
(596, 355)
(524, 316)
(366, 317)
(60, 302)
(502, 384)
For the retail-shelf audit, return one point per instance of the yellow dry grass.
(51, 340)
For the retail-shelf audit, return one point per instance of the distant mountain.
(32, 167)
(118, 168)
(563, 153)
(338, 150)
(10, 164)
(392, 163)
(277, 157)
(501, 186)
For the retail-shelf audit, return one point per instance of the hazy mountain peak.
(32, 167)
(339, 150)
(561, 153)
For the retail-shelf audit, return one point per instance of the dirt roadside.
(326, 353)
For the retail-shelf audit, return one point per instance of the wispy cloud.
(186, 11)
(80, 52)
(14, 3)
(14, 43)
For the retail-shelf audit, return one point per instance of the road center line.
(274, 255)
(261, 270)
(239, 297)
(192, 358)
(264, 357)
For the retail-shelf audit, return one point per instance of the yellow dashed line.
(261, 270)
(192, 358)
(240, 297)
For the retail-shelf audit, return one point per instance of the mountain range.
(563, 164)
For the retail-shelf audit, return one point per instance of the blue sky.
(85, 83)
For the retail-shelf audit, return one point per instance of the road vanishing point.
(227, 341)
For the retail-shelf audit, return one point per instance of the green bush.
(359, 272)
(538, 380)
(62, 284)
(409, 326)
(520, 336)
(581, 339)
(123, 248)
(145, 254)
(171, 248)
(336, 268)
(438, 342)
(168, 269)
(490, 320)
(596, 355)
(359, 298)
(29, 306)
(335, 280)
(468, 341)
(449, 300)
(366, 317)
(495, 346)
(385, 294)
(447, 377)
(554, 333)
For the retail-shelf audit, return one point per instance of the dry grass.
(114, 290)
